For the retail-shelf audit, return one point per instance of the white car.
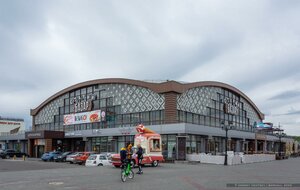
(98, 160)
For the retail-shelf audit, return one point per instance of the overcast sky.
(46, 46)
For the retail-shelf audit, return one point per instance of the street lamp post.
(280, 134)
(226, 128)
(226, 144)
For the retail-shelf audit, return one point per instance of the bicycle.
(127, 172)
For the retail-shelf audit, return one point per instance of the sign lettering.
(231, 106)
(83, 102)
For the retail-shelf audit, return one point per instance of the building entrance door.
(181, 146)
(38, 150)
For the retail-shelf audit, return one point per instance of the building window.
(202, 120)
(189, 117)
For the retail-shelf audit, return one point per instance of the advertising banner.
(262, 125)
(84, 117)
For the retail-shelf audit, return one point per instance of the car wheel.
(100, 164)
(7, 156)
(155, 163)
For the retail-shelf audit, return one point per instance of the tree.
(297, 138)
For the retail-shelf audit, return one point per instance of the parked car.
(71, 157)
(98, 160)
(49, 156)
(108, 153)
(9, 153)
(61, 157)
(80, 159)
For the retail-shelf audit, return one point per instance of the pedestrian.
(140, 158)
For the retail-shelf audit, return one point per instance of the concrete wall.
(231, 159)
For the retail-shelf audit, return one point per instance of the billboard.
(262, 125)
(84, 117)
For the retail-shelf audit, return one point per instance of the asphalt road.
(37, 175)
(30, 164)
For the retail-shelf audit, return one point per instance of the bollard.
(14, 157)
(24, 157)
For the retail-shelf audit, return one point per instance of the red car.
(81, 158)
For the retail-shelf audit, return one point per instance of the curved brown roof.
(164, 87)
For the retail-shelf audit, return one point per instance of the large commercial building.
(99, 115)
(11, 126)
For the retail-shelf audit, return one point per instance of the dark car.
(61, 157)
(49, 156)
(9, 153)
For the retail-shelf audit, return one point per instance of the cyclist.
(126, 155)
(126, 168)
(140, 158)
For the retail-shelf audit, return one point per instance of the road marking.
(14, 183)
(13, 160)
(71, 187)
(56, 183)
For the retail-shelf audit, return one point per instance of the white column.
(265, 147)
(203, 145)
(255, 146)
(238, 146)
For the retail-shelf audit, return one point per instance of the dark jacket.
(123, 154)
(140, 153)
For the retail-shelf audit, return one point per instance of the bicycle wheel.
(131, 174)
(123, 175)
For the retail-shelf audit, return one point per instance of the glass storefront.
(193, 144)
(169, 146)
(110, 144)
(209, 106)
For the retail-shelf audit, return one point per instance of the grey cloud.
(293, 113)
(286, 95)
(289, 113)
(271, 72)
(49, 45)
(17, 16)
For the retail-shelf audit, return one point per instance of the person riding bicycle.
(126, 160)
(140, 158)
(126, 154)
